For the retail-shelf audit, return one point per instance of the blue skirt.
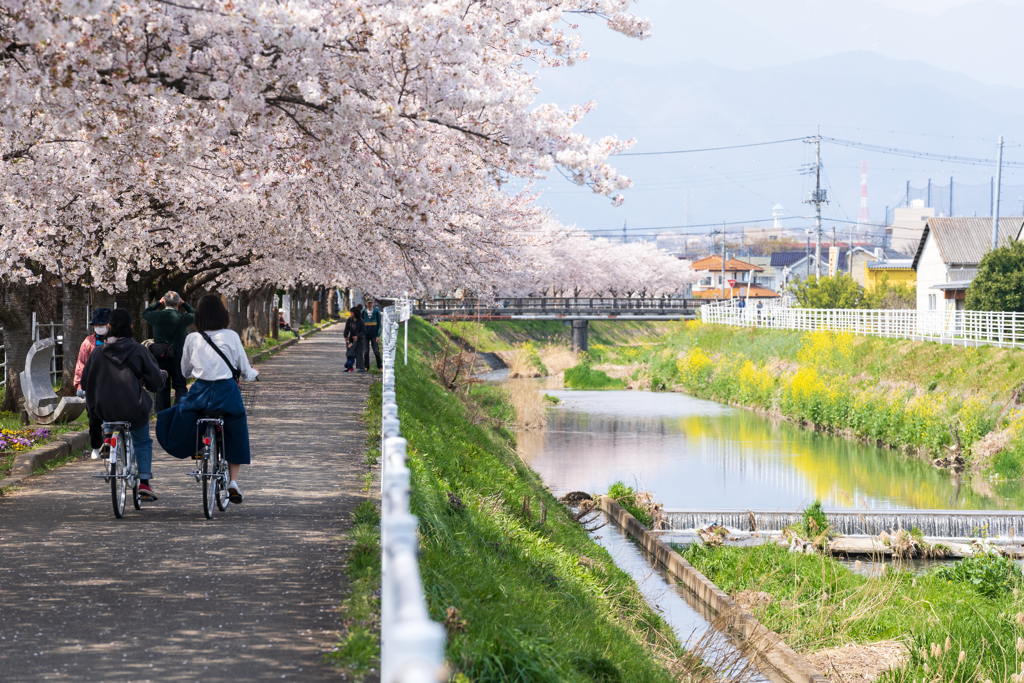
(177, 430)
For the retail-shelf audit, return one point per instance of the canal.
(700, 455)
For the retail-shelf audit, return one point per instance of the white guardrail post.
(411, 645)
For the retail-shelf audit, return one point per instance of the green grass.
(502, 335)
(986, 370)
(358, 651)
(525, 598)
(585, 377)
(818, 603)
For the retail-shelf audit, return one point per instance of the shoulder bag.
(160, 350)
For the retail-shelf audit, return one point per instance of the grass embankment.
(960, 622)
(501, 335)
(524, 593)
(920, 397)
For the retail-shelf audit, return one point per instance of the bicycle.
(212, 472)
(122, 471)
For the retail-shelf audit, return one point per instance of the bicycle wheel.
(119, 482)
(209, 471)
(222, 482)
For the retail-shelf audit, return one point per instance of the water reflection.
(697, 454)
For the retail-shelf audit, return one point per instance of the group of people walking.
(362, 334)
(114, 373)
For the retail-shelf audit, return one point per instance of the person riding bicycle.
(100, 326)
(214, 355)
(114, 379)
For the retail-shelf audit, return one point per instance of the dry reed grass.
(988, 447)
(519, 364)
(558, 358)
(859, 663)
(531, 411)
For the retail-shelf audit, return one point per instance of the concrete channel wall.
(767, 645)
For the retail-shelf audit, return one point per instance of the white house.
(948, 256)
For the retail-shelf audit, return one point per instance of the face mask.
(101, 330)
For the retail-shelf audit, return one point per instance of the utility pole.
(998, 187)
(723, 261)
(818, 197)
(623, 232)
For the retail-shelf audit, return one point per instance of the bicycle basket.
(249, 396)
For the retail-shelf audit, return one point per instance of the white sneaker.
(95, 454)
(234, 492)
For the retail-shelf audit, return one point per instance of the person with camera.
(169, 317)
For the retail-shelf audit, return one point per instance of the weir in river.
(932, 523)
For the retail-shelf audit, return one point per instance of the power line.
(896, 151)
(709, 149)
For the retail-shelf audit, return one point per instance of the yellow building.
(896, 270)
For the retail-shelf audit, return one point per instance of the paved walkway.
(165, 595)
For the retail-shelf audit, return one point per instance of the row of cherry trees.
(237, 144)
(573, 263)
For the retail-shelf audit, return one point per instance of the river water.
(701, 455)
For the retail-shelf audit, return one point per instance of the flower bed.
(14, 440)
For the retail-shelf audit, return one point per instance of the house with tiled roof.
(948, 256)
(715, 278)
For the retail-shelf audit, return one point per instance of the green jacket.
(170, 326)
(372, 321)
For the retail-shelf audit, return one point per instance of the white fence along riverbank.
(966, 328)
(412, 646)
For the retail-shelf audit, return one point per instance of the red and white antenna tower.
(863, 218)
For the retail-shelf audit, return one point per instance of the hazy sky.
(980, 38)
(942, 76)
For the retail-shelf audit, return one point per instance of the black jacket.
(113, 378)
(355, 328)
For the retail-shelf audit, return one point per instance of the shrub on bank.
(585, 377)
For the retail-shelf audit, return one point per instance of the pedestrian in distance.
(169, 317)
(355, 331)
(372, 320)
(113, 380)
(214, 355)
(99, 324)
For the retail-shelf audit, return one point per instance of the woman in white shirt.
(215, 389)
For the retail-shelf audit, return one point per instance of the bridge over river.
(578, 311)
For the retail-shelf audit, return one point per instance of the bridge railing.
(412, 646)
(560, 304)
(995, 328)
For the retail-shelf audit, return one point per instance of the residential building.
(743, 274)
(948, 256)
(766, 278)
(907, 224)
(799, 265)
(893, 271)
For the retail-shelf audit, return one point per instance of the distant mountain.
(858, 96)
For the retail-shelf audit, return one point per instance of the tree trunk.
(76, 329)
(16, 317)
(138, 290)
(274, 331)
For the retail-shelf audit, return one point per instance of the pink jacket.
(83, 355)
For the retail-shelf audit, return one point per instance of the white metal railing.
(970, 328)
(54, 331)
(411, 645)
